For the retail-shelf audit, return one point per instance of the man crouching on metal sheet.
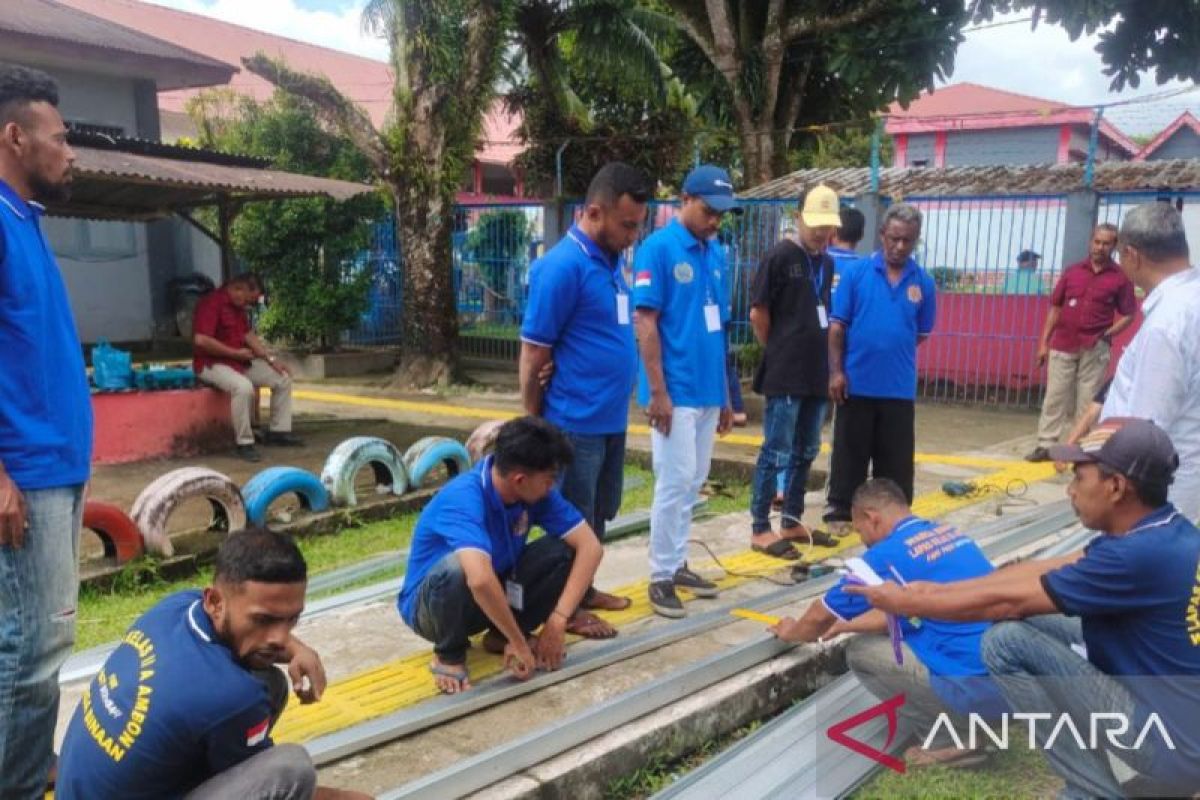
(1101, 661)
(184, 706)
(935, 664)
(471, 567)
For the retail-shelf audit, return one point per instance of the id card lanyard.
(712, 311)
(514, 592)
(620, 290)
(816, 276)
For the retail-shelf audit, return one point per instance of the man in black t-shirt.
(790, 316)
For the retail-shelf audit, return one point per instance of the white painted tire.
(425, 454)
(355, 453)
(483, 439)
(159, 500)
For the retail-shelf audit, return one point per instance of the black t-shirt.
(789, 284)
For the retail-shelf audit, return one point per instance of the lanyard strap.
(498, 505)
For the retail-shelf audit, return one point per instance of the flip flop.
(613, 602)
(589, 626)
(780, 548)
(820, 538)
(450, 671)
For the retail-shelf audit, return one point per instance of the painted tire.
(157, 501)
(273, 482)
(425, 454)
(355, 453)
(120, 535)
(483, 439)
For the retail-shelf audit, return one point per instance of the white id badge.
(622, 309)
(515, 593)
(712, 318)
(822, 315)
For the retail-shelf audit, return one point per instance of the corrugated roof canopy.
(1109, 176)
(112, 184)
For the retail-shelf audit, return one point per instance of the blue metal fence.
(380, 323)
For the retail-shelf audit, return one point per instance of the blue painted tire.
(426, 454)
(355, 453)
(274, 482)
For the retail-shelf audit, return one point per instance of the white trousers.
(681, 462)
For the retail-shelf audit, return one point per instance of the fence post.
(555, 221)
(872, 206)
(1083, 207)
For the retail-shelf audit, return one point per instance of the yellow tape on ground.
(406, 681)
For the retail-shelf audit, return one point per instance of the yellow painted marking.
(754, 616)
(449, 410)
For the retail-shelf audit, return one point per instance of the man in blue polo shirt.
(580, 316)
(942, 669)
(681, 292)
(843, 248)
(1112, 629)
(184, 706)
(470, 569)
(45, 433)
(883, 307)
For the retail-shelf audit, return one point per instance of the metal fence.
(380, 323)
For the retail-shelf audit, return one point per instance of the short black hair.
(854, 225)
(531, 444)
(616, 179)
(878, 493)
(247, 279)
(1151, 495)
(20, 86)
(260, 555)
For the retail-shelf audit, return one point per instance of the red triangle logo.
(891, 708)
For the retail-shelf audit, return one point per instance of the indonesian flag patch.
(258, 733)
(641, 279)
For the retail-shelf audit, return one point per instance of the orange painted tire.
(120, 534)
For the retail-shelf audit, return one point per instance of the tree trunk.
(758, 150)
(428, 349)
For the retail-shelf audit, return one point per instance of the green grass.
(1013, 774)
(104, 614)
(661, 771)
(492, 330)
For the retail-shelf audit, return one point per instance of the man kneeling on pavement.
(471, 567)
(1111, 630)
(185, 705)
(941, 669)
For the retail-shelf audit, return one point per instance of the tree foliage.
(297, 246)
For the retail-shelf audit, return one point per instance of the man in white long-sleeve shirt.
(1158, 377)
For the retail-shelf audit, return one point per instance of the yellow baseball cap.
(821, 207)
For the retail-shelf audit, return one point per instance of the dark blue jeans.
(791, 440)
(594, 480)
(447, 612)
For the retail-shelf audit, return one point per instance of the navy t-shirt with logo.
(1138, 597)
(170, 708)
(468, 514)
(920, 550)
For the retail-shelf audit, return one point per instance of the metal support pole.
(876, 142)
(1093, 143)
(558, 169)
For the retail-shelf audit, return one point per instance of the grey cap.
(1136, 448)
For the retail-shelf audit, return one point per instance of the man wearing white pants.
(682, 298)
(230, 357)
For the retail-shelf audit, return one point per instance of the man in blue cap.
(681, 293)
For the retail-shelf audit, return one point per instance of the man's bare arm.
(533, 359)
(760, 323)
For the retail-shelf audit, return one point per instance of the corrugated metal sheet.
(899, 182)
(117, 185)
(37, 24)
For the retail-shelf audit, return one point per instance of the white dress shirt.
(1158, 378)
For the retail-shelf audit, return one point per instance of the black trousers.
(870, 432)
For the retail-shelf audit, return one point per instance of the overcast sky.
(1042, 63)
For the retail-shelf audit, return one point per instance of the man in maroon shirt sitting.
(229, 356)
(1092, 302)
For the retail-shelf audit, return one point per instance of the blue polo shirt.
(920, 550)
(842, 258)
(467, 514)
(45, 405)
(1138, 597)
(169, 709)
(882, 325)
(678, 275)
(574, 292)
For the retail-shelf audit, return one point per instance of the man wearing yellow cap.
(789, 311)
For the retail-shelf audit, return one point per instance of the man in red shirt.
(229, 356)
(1092, 302)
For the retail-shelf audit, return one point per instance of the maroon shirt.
(218, 317)
(1088, 302)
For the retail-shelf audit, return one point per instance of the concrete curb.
(586, 772)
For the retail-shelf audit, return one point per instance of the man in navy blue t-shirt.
(184, 707)
(1110, 635)
(884, 306)
(942, 669)
(45, 433)
(471, 569)
(580, 315)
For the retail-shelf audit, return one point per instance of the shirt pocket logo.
(683, 272)
(914, 294)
